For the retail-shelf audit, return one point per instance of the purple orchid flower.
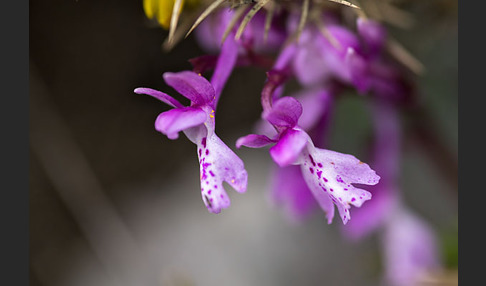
(342, 55)
(329, 175)
(322, 56)
(410, 249)
(210, 32)
(288, 187)
(218, 163)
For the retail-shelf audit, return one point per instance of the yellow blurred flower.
(161, 10)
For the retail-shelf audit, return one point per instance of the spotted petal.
(217, 164)
(191, 85)
(332, 173)
(173, 121)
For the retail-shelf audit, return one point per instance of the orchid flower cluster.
(317, 47)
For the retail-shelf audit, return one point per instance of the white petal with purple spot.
(218, 163)
(331, 175)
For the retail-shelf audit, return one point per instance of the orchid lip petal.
(289, 147)
(218, 164)
(173, 121)
(191, 85)
(165, 98)
(333, 174)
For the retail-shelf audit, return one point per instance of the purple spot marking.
(312, 160)
(324, 189)
(215, 186)
(209, 192)
(311, 170)
(339, 179)
(207, 152)
(211, 173)
(221, 196)
(345, 189)
(205, 165)
(341, 199)
(325, 180)
(319, 164)
(353, 199)
(319, 174)
(331, 190)
(200, 152)
(203, 142)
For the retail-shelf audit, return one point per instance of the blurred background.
(113, 202)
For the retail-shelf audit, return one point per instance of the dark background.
(87, 125)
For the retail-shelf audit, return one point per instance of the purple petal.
(173, 121)
(410, 249)
(254, 141)
(265, 128)
(373, 34)
(209, 32)
(191, 85)
(217, 164)
(289, 147)
(285, 57)
(254, 34)
(225, 65)
(285, 112)
(358, 70)
(315, 103)
(387, 82)
(345, 39)
(386, 150)
(334, 53)
(310, 67)
(332, 173)
(165, 98)
(289, 189)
